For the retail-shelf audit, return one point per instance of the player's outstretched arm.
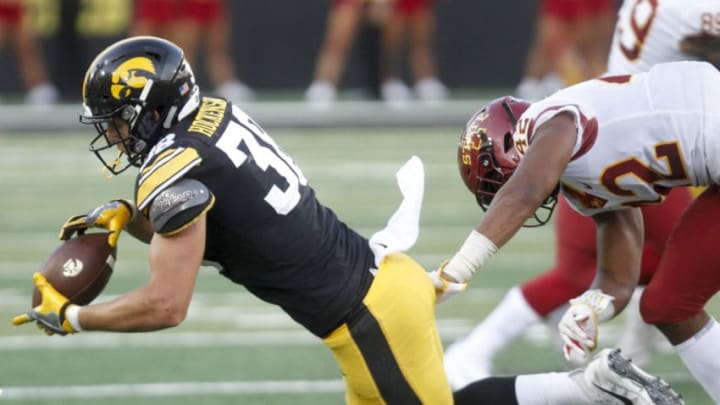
(163, 302)
(536, 178)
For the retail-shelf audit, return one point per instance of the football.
(80, 268)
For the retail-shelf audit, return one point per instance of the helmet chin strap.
(108, 172)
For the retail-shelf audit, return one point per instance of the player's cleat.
(611, 378)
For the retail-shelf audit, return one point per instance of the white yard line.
(169, 389)
(297, 337)
(450, 329)
(172, 389)
(162, 340)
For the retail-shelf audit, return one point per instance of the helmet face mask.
(493, 177)
(487, 156)
(141, 81)
(109, 150)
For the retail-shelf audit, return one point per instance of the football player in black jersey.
(213, 186)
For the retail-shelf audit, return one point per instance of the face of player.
(118, 130)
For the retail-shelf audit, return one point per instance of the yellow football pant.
(389, 351)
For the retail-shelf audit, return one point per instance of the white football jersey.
(638, 136)
(649, 31)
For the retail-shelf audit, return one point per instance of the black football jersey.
(266, 229)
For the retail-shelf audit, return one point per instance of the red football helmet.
(487, 156)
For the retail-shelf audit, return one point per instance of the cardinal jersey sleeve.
(541, 112)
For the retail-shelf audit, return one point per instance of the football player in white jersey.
(647, 32)
(611, 145)
(655, 31)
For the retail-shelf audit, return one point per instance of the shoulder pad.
(162, 169)
(179, 205)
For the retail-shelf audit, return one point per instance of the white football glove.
(579, 326)
(444, 289)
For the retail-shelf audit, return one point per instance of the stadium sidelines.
(278, 114)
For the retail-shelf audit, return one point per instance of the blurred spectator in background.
(343, 23)
(192, 24)
(411, 20)
(15, 26)
(571, 43)
(398, 20)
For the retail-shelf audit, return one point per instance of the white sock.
(510, 318)
(699, 353)
(548, 389)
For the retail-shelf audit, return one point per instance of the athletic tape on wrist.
(72, 314)
(471, 256)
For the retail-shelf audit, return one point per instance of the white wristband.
(471, 256)
(72, 315)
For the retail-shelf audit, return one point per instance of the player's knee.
(653, 310)
(657, 309)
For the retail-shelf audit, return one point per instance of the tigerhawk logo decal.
(72, 267)
(131, 74)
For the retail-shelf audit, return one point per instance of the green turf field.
(234, 348)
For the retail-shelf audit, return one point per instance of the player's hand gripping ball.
(80, 268)
(74, 274)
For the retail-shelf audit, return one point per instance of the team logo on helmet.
(473, 138)
(131, 75)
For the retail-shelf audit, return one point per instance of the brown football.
(80, 268)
